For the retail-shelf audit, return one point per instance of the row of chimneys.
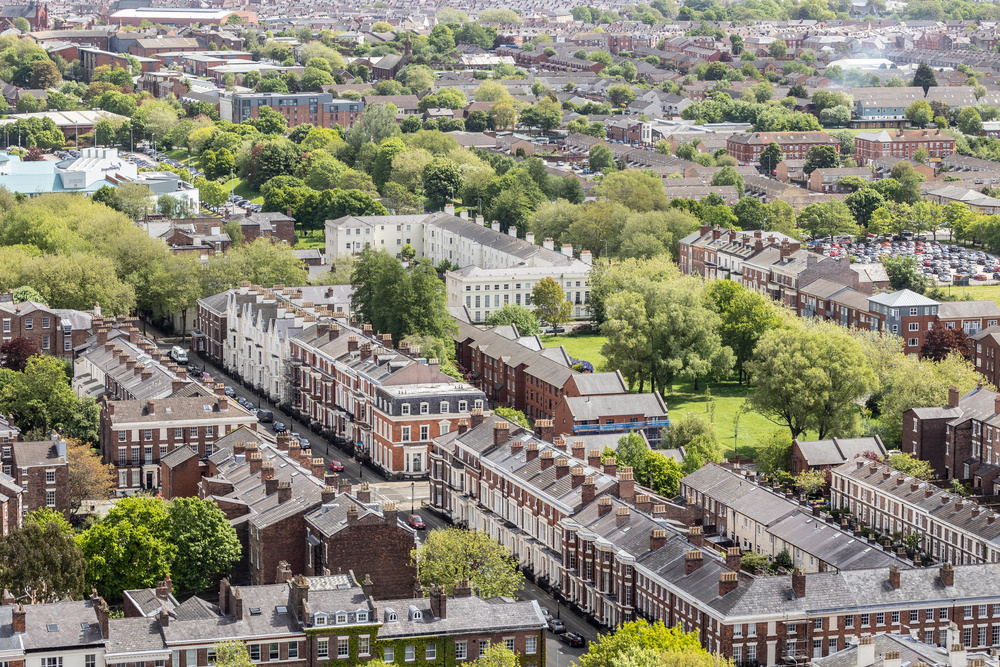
(20, 621)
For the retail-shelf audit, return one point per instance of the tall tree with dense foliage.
(942, 341)
(821, 157)
(745, 317)
(904, 273)
(521, 317)
(14, 353)
(774, 453)
(41, 399)
(810, 377)
(42, 562)
(89, 478)
(207, 546)
(550, 302)
(924, 77)
(452, 554)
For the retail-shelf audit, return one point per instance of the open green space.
(585, 346)
(976, 292)
(179, 154)
(728, 398)
(312, 238)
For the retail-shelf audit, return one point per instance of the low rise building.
(904, 144)
(794, 145)
(319, 109)
(41, 470)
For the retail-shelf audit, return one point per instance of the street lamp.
(413, 486)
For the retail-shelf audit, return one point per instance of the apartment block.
(319, 109)
(494, 268)
(794, 145)
(136, 435)
(871, 146)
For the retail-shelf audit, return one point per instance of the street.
(405, 495)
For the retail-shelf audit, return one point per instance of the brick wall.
(377, 547)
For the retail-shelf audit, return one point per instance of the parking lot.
(940, 261)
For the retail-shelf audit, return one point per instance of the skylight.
(52, 627)
(281, 609)
(255, 611)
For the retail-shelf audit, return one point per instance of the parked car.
(416, 522)
(179, 354)
(279, 427)
(263, 416)
(336, 466)
(205, 377)
(573, 639)
(557, 626)
(230, 392)
(546, 613)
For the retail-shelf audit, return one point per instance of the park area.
(722, 403)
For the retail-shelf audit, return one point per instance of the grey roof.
(134, 635)
(589, 408)
(74, 624)
(911, 652)
(148, 603)
(902, 298)
(838, 450)
(972, 309)
(463, 615)
(590, 384)
(548, 368)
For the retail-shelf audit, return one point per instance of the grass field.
(310, 239)
(728, 397)
(977, 292)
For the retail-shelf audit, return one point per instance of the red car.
(416, 522)
(336, 466)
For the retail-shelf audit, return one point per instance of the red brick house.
(794, 145)
(35, 12)
(41, 470)
(869, 146)
(827, 454)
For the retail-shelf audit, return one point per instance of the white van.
(179, 354)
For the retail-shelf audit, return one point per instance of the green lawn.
(580, 346)
(728, 398)
(179, 154)
(243, 189)
(310, 239)
(977, 292)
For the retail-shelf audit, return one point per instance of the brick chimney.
(947, 575)
(562, 467)
(282, 439)
(103, 617)
(579, 472)
(352, 515)
(693, 560)
(953, 396)
(266, 472)
(352, 343)
(366, 351)
(531, 451)
(547, 459)
(894, 576)
(328, 495)
(462, 589)
(626, 485)
(475, 417)
(501, 433)
(657, 538)
(294, 450)
(579, 450)
(798, 582)
(368, 586)
(344, 487)
(364, 493)
(19, 622)
(239, 448)
(299, 596)
(643, 503)
(603, 506)
(559, 442)
(610, 466)
(439, 602)
(390, 512)
(463, 426)
(622, 516)
(728, 580)
(150, 407)
(696, 536)
(318, 466)
(784, 250)
(164, 588)
(284, 492)
(284, 573)
(733, 558)
(255, 463)
(588, 490)
(545, 430)
(594, 458)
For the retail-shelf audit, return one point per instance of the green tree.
(43, 562)
(453, 554)
(89, 477)
(821, 157)
(634, 189)
(523, 318)
(206, 543)
(550, 303)
(771, 157)
(729, 176)
(778, 49)
(22, 25)
(511, 415)
(828, 219)
(919, 113)
(911, 465)
(45, 75)
(904, 273)
(382, 167)
(442, 39)
(695, 434)
(40, 398)
(810, 482)
(970, 122)
(620, 95)
(924, 77)
(774, 454)
(232, 653)
(610, 649)
(601, 159)
(745, 316)
(442, 181)
(863, 203)
(750, 213)
(627, 328)
(810, 377)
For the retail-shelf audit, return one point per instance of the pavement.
(403, 494)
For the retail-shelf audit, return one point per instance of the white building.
(494, 268)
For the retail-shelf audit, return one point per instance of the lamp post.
(413, 486)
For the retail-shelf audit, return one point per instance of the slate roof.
(836, 451)
(43, 453)
(902, 298)
(589, 384)
(590, 408)
(75, 625)
(134, 635)
(464, 615)
(514, 354)
(968, 309)
(168, 409)
(147, 602)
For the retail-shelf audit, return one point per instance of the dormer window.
(362, 617)
(415, 614)
(320, 619)
(341, 619)
(404, 409)
(424, 408)
(390, 616)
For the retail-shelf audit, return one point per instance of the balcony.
(590, 429)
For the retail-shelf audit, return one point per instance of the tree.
(521, 317)
(919, 113)
(14, 353)
(924, 77)
(206, 543)
(442, 39)
(232, 653)
(442, 181)
(453, 554)
(970, 122)
(778, 49)
(610, 649)
(828, 219)
(821, 157)
(601, 158)
(745, 316)
(22, 25)
(663, 474)
(774, 454)
(809, 482)
(620, 95)
(497, 655)
(89, 478)
(42, 561)
(693, 433)
(26, 293)
(809, 377)
(771, 157)
(550, 303)
(904, 273)
(45, 75)
(863, 203)
(40, 398)
(634, 189)
(942, 341)
(909, 464)
(729, 176)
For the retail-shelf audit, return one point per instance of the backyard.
(728, 398)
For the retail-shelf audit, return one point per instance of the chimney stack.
(610, 466)
(531, 451)
(579, 472)
(475, 417)
(727, 582)
(798, 583)
(622, 516)
(657, 538)
(894, 577)
(947, 575)
(501, 431)
(19, 622)
(603, 506)
(626, 484)
(693, 560)
(594, 458)
(545, 430)
(547, 459)
(579, 450)
(284, 492)
(562, 467)
(696, 536)
(284, 573)
(733, 558)
(588, 490)
(439, 602)
(953, 396)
